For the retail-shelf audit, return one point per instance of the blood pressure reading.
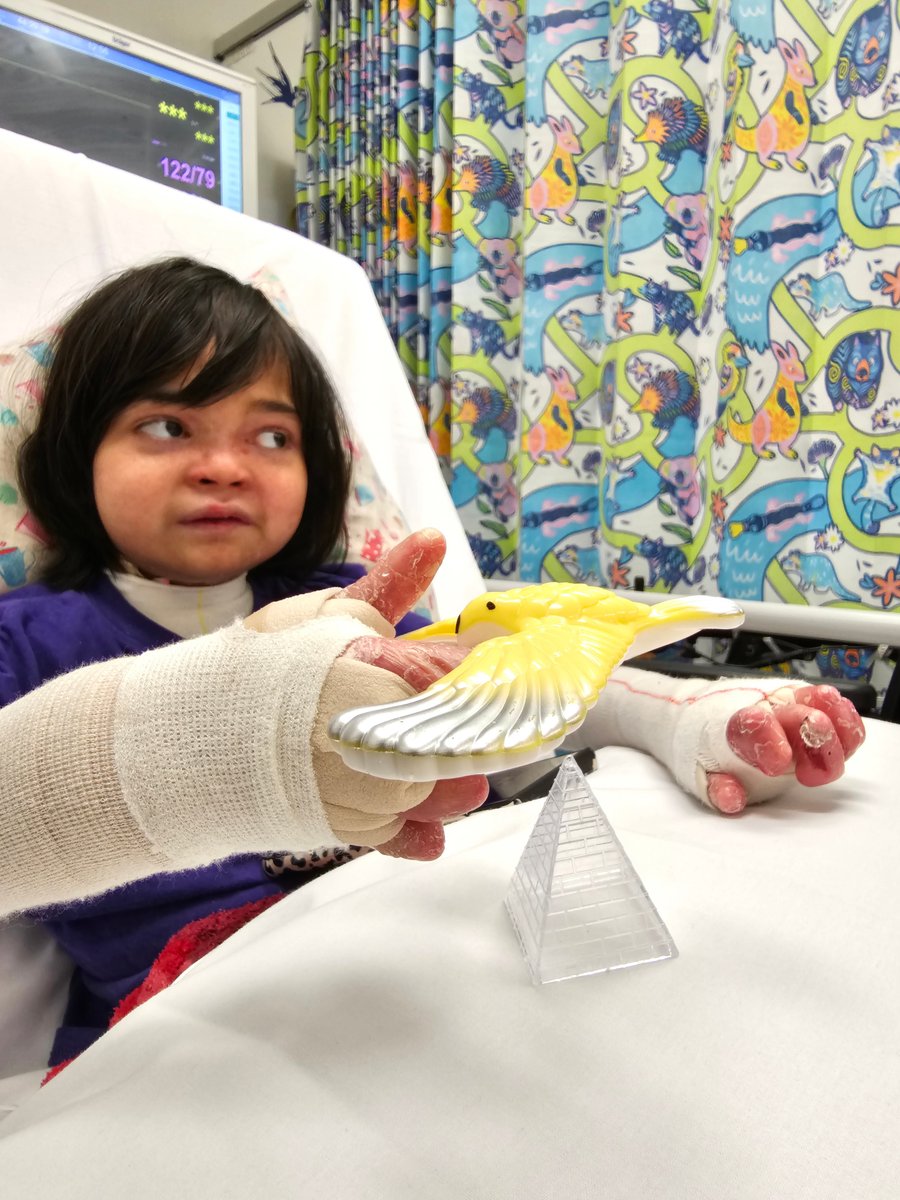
(133, 114)
(174, 168)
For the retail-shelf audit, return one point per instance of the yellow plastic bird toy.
(540, 657)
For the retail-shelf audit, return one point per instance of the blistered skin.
(393, 587)
(428, 662)
(810, 731)
(398, 580)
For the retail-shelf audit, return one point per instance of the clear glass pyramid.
(576, 902)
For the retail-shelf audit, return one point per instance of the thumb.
(379, 599)
(399, 579)
(725, 792)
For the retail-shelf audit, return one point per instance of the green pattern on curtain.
(642, 264)
(374, 148)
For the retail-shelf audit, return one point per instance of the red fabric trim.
(54, 1071)
(188, 946)
(181, 951)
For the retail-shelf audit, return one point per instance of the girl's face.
(200, 495)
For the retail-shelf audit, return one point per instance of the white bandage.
(64, 829)
(237, 709)
(180, 756)
(682, 723)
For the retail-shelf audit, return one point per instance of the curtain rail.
(260, 23)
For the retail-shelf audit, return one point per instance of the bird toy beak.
(440, 629)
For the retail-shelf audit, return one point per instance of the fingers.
(725, 793)
(813, 738)
(417, 663)
(419, 840)
(422, 835)
(847, 722)
(818, 753)
(755, 734)
(398, 580)
(451, 798)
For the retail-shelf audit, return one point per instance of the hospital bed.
(376, 1034)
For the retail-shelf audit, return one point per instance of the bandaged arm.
(191, 753)
(682, 723)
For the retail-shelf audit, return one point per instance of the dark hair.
(142, 330)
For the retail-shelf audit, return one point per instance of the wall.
(276, 160)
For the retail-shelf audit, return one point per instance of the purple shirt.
(114, 938)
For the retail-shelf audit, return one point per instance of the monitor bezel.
(166, 56)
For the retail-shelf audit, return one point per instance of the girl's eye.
(273, 439)
(163, 428)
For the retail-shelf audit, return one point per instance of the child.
(188, 468)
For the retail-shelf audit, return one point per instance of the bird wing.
(680, 617)
(511, 702)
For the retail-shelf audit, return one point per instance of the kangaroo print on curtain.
(668, 349)
(721, 408)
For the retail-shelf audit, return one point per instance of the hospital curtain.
(643, 266)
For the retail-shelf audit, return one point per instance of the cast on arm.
(727, 742)
(188, 754)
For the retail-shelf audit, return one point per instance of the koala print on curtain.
(705, 291)
(648, 290)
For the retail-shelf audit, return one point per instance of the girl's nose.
(219, 467)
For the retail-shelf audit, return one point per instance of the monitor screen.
(144, 108)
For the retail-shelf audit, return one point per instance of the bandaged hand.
(802, 731)
(401, 819)
(218, 745)
(730, 742)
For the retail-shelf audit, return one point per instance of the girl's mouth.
(216, 517)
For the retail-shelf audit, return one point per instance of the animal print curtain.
(656, 328)
(373, 137)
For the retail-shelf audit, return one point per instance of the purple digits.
(174, 168)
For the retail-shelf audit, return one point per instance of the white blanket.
(376, 1034)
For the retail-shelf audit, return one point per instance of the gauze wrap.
(183, 755)
(682, 723)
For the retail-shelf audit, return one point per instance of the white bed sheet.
(67, 222)
(376, 1034)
